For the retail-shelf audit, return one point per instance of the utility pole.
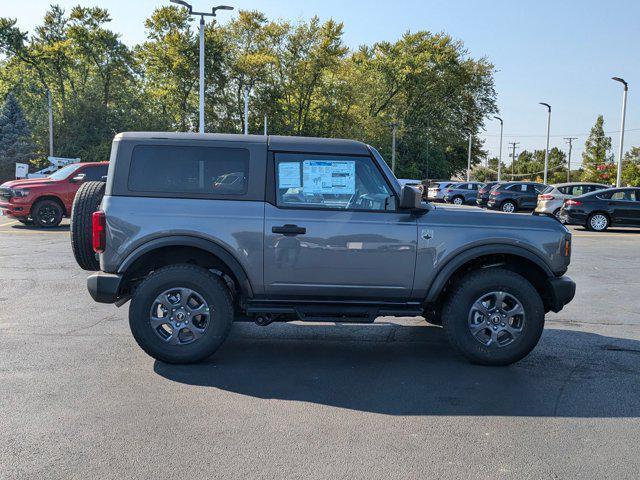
(202, 15)
(513, 158)
(394, 131)
(570, 142)
(265, 124)
(50, 123)
(469, 157)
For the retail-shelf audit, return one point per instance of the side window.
(563, 190)
(189, 170)
(579, 190)
(332, 182)
(94, 173)
(621, 195)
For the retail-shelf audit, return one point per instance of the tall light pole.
(546, 152)
(624, 112)
(202, 15)
(50, 123)
(500, 154)
(469, 157)
(394, 131)
(246, 110)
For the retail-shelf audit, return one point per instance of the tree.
(15, 143)
(631, 167)
(597, 159)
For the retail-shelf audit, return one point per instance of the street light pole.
(246, 110)
(500, 154)
(202, 15)
(621, 147)
(50, 123)
(394, 131)
(469, 157)
(546, 152)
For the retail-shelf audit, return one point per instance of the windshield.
(64, 172)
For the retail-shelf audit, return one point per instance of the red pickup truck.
(45, 201)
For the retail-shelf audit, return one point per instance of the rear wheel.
(494, 317)
(598, 222)
(47, 213)
(181, 314)
(86, 201)
(508, 206)
(557, 213)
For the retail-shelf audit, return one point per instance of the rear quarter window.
(189, 170)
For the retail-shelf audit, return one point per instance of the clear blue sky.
(559, 52)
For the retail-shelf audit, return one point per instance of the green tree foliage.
(529, 166)
(15, 141)
(631, 167)
(302, 76)
(597, 159)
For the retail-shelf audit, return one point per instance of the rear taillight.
(545, 196)
(495, 192)
(98, 231)
(572, 203)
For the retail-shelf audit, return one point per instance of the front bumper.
(562, 290)
(10, 209)
(104, 287)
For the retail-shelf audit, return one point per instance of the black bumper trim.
(563, 289)
(104, 287)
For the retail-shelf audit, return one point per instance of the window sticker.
(289, 175)
(329, 177)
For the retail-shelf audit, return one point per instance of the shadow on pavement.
(411, 370)
(59, 228)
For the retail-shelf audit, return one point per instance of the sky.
(560, 52)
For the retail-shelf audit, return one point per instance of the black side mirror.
(411, 199)
(78, 178)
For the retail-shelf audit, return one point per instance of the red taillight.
(545, 196)
(98, 231)
(495, 192)
(573, 203)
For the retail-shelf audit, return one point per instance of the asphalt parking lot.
(79, 399)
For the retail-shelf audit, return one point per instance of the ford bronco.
(199, 230)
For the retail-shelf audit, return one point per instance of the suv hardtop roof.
(274, 142)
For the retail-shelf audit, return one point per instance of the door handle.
(289, 230)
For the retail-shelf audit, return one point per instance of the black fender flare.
(191, 241)
(459, 259)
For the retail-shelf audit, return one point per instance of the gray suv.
(314, 230)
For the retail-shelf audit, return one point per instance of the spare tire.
(86, 202)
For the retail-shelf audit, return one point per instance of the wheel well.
(520, 265)
(179, 254)
(50, 197)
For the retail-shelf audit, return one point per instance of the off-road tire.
(37, 213)
(457, 307)
(86, 201)
(208, 285)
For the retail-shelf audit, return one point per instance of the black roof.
(275, 142)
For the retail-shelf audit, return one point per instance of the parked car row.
(592, 205)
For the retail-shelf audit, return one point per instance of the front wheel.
(181, 314)
(598, 222)
(47, 213)
(458, 201)
(494, 317)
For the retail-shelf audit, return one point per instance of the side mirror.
(411, 199)
(78, 178)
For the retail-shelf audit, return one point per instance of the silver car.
(550, 201)
(436, 191)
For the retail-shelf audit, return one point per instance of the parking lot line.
(13, 222)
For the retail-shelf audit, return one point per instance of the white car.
(412, 183)
(436, 191)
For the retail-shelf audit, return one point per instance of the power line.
(580, 135)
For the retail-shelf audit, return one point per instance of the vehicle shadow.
(411, 370)
(59, 228)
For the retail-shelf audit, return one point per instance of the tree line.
(301, 75)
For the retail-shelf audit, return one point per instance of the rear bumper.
(482, 201)
(573, 218)
(562, 291)
(104, 287)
